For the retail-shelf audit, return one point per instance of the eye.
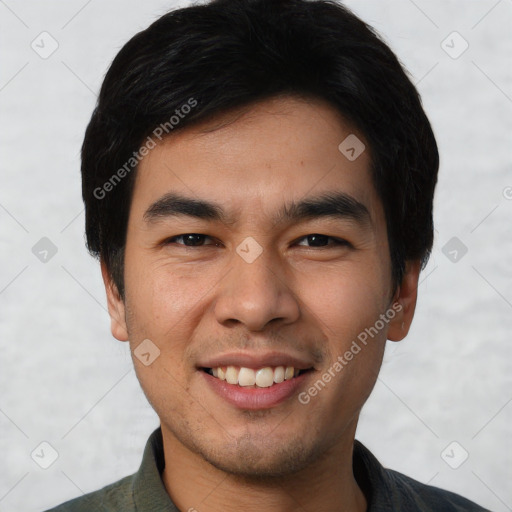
(197, 240)
(319, 240)
(189, 240)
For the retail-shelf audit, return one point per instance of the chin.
(255, 461)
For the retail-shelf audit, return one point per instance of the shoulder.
(422, 497)
(115, 496)
(139, 491)
(388, 490)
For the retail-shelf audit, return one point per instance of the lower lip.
(255, 398)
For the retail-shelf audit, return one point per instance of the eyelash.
(337, 241)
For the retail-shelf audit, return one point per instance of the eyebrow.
(335, 205)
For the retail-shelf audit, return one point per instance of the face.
(261, 270)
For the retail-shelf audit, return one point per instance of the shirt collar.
(148, 487)
(375, 481)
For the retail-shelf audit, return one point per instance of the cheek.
(162, 307)
(346, 305)
(163, 295)
(347, 300)
(166, 306)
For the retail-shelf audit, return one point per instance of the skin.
(296, 297)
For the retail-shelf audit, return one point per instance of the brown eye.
(189, 240)
(318, 240)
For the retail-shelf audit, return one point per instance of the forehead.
(254, 161)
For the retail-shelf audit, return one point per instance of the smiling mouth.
(265, 377)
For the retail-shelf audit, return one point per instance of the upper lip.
(255, 360)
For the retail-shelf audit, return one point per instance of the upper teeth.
(263, 378)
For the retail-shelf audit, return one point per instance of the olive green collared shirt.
(385, 490)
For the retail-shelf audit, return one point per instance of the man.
(258, 179)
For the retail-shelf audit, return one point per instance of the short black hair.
(197, 62)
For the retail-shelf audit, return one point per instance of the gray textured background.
(65, 380)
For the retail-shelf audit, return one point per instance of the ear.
(404, 302)
(116, 308)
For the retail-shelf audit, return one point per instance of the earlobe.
(404, 302)
(116, 308)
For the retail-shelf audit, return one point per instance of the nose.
(255, 294)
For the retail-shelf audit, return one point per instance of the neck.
(327, 484)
